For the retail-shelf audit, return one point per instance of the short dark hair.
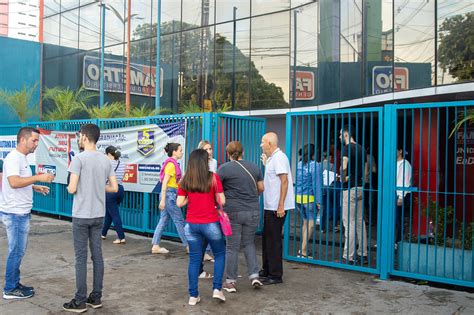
(171, 147)
(91, 132)
(234, 149)
(25, 132)
(307, 152)
(113, 151)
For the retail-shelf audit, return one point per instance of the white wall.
(23, 19)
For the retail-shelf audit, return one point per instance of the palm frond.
(20, 102)
(468, 118)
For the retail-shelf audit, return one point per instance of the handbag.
(224, 221)
(223, 218)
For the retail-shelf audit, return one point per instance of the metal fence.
(139, 211)
(412, 216)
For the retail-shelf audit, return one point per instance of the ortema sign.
(142, 77)
(382, 79)
(304, 85)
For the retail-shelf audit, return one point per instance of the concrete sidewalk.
(137, 282)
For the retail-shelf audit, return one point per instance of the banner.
(8, 144)
(142, 149)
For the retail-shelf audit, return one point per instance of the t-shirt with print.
(355, 165)
(239, 188)
(170, 170)
(202, 206)
(277, 164)
(119, 169)
(16, 200)
(93, 169)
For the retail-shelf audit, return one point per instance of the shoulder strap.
(245, 169)
(115, 170)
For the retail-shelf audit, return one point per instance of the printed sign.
(304, 85)
(142, 77)
(142, 149)
(384, 81)
(8, 144)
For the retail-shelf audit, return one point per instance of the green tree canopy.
(456, 48)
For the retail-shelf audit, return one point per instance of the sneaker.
(18, 293)
(159, 250)
(218, 294)
(72, 306)
(205, 275)
(119, 241)
(229, 287)
(103, 237)
(94, 302)
(256, 283)
(24, 287)
(194, 300)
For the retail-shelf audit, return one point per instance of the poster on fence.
(142, 149)
(8, 144)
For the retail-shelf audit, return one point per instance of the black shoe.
(94, 302)
(72, 306)
(347, 261)
(18, 293)
(24, 287)
(262, 274)
(269, 281)
(362, 260)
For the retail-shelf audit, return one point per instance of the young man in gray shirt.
(91, 177)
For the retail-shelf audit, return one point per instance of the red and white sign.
(304, 85)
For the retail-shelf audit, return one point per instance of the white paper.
(328, 177)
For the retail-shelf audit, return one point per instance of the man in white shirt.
(404, 173)
(278, 198)
(15, 207)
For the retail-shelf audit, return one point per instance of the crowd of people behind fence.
(95, 181)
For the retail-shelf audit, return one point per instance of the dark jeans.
(112, 213)
(331, 201)
(400, 214)
(87, 232)
(272, 247)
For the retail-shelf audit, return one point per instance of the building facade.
(242, 55)
(20, 19)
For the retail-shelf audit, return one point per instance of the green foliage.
(441, 218)
(190, 108)
(20, 102)
(456, 48)
(112, 110)
(468, 119)
(66, 102)
(468, 235)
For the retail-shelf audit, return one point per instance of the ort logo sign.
(142, 77)
(304, 85)
(384, 81)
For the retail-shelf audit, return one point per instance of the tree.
(20, 102)
(66, 103)
(183, 50)
(456, 48)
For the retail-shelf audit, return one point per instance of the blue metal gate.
(314, 232)
(429, 193)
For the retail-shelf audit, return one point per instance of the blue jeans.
(17, 226)
(331, 204)
(173, 211)
(112, 214)
(197, 234)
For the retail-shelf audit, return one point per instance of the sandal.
(205, 275)
(119, 241)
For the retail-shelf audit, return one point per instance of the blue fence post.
(146, 200)
(207, 126)
(286, 234)
(388, 180)
(57, 187)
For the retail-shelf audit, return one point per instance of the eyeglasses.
(78, 134)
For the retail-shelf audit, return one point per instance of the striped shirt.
(119, 170)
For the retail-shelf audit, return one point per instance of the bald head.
(269, 143)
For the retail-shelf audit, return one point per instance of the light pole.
(234, 39)
(158, 63)
(102, 45)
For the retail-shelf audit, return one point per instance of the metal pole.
(158, 64)
(102, 47)
(127, 85)
(233, 58)
(293, 94)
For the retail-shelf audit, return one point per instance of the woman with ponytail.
(113, 200)
(170, 175)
